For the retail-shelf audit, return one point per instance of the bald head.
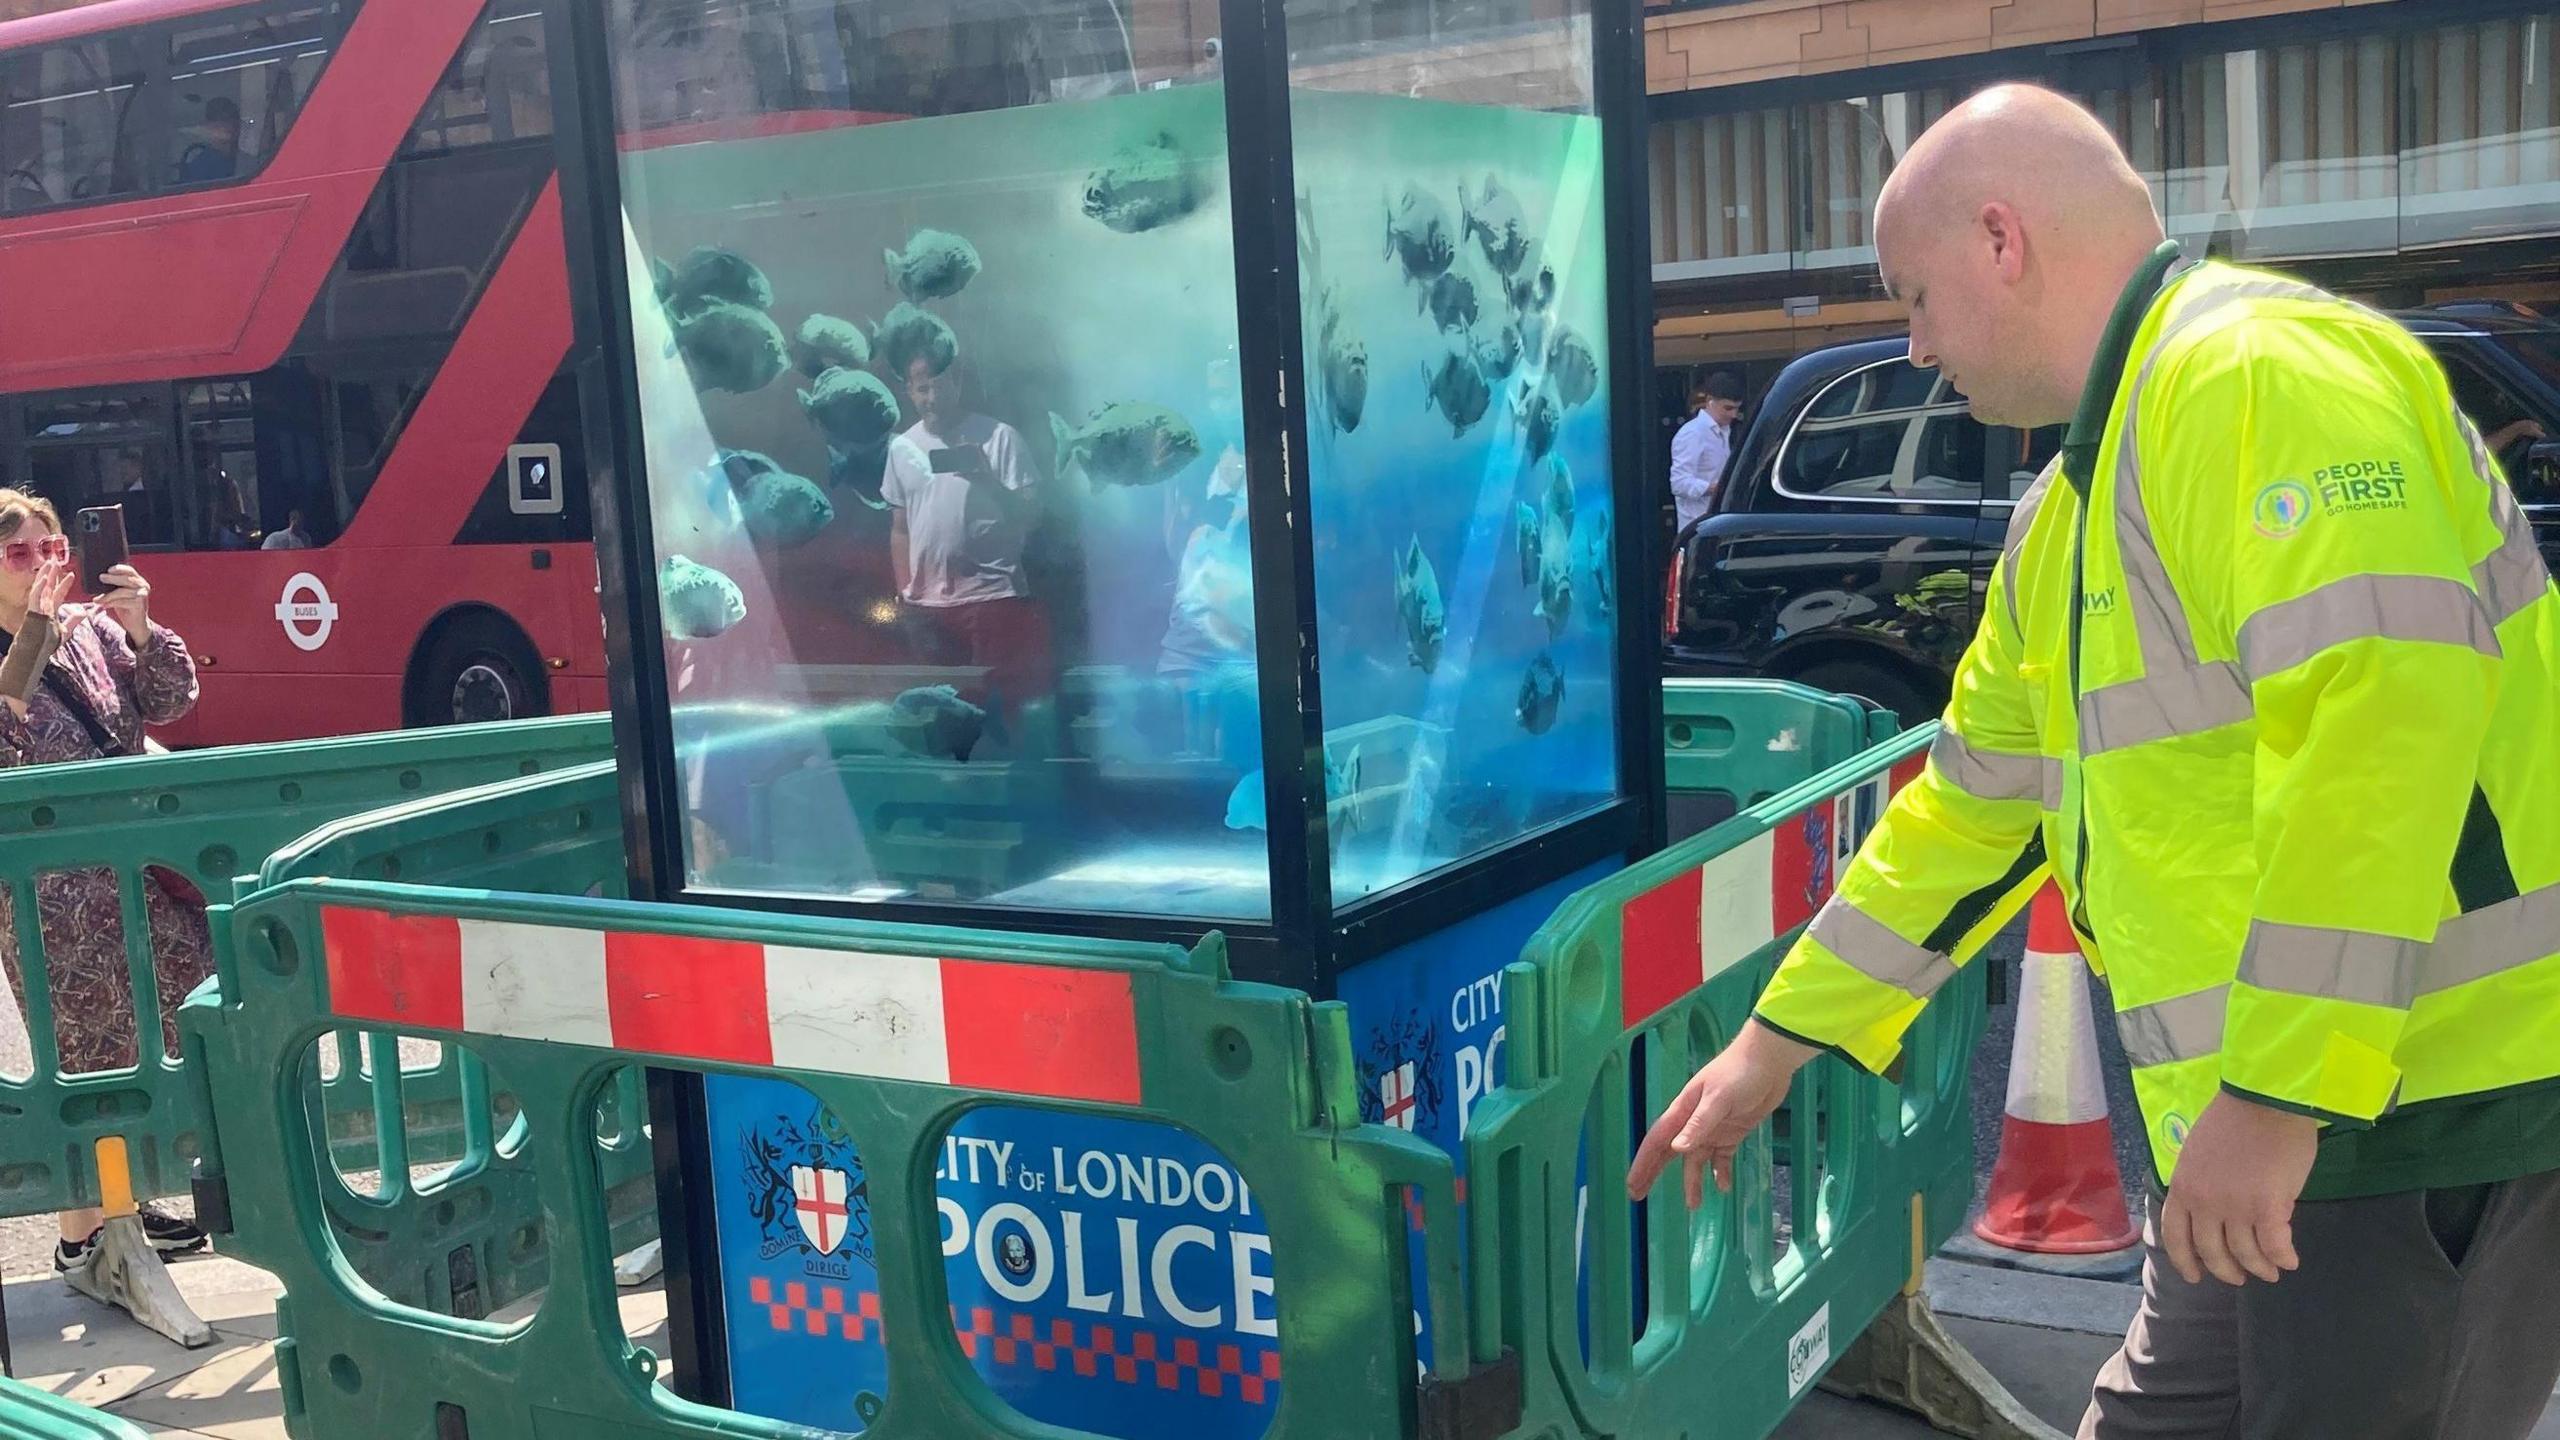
(2009, 228)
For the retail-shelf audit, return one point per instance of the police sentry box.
(1140, 472)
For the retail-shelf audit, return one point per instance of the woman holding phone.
(79, 682)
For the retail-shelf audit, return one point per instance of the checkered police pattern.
(1127, 1354)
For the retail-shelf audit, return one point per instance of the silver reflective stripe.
(2178, 694)
(2361, 607)
(1878, 953)
(2513, 576)
(1997, 774)
(2327, 964)
(2184, 701)
(2187, 1027)
(2494, 939)
(2021, 519)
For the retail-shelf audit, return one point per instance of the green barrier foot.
(124, 1271)
(640, 1266)
(1908, 1360)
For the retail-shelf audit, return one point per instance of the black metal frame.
(1309, 941)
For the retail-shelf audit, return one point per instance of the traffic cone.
(2055, 1189)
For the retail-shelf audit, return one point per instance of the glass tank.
(944, 452)
(1454, 276)
(936, 334)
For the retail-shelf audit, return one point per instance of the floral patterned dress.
(79, 914)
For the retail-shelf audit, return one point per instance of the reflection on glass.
(1849, 146)
(935, 329)
(2482, 155)
(1452, 264)
(2289, 150)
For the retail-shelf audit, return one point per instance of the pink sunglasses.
(24, 555)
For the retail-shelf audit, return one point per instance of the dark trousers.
(2427, 1315)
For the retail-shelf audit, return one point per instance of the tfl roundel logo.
(2282, 507)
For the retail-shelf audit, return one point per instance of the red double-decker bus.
(286, 280)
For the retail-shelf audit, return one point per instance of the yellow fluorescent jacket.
(2302, 790)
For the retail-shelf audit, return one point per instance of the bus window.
(235, 83)
(68, 121)
(101, 447)
(220, 445)
(498, 89)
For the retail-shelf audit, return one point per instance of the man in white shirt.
(1700, 450)
(291, 537)
(959, 488)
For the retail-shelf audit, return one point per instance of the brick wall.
(1768, 39)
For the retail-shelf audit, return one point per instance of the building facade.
(2406, 153)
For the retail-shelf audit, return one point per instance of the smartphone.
(966, 460)
(102, 545)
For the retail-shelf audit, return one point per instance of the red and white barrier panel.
(1041, 1030)
(1699, 924)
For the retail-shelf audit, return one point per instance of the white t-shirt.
(964, 544)
(1698, 456)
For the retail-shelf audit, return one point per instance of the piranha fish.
(1457, 389)
(776, 505)
(1418, 235)
(1344, 362)
(711, 275)
(1541, 695)
(1572, 366)
(696, 601)
(1452, 301)
(1600, 565)
(852, 408)
(1249, 809)
(1128, 443)
(1531, 289)
(1539, 419)
(827, 343)
(1555, 550)
(908, 334)
(860, 471)
(930, 722)
(1143, 187)
(936, 266)
(727, 346)
(1342, 357)
(1497, 224)
(1426, 620)
(1528, 533)
(1499, 354)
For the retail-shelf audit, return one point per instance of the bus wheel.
(478, 668)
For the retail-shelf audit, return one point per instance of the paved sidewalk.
(228, 1390)
(2043, 1336)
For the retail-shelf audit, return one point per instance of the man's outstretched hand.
(1720, 1106)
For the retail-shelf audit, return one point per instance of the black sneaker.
(68, 1256)
(172, 1236)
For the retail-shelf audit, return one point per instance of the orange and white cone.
(2055, 1189)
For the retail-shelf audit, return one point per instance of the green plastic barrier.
(27, 1413)
(1731, 744)
(1263, 1072)
(467, 1239)
(1724, 1318)
(205, 817)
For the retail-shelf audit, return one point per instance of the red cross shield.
(818, 1201)
(1395, 1096)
